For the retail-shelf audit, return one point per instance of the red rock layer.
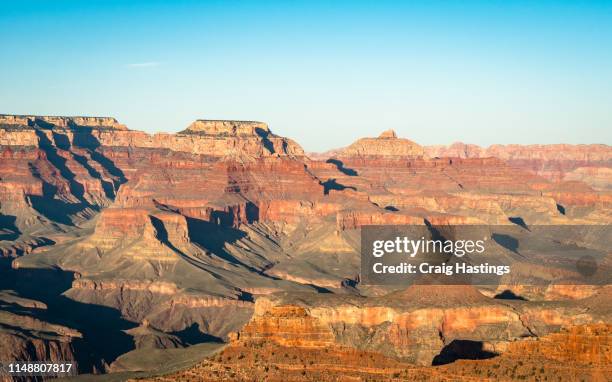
(287, 326)
(589, 163)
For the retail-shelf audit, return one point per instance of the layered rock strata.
(188, 232)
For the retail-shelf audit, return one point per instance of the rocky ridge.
(557, 162)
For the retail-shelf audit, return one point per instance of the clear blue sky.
(322, 73)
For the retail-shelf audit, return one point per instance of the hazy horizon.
(321, 74)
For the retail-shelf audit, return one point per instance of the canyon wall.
(226, 223)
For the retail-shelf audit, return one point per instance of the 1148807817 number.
(38, 368)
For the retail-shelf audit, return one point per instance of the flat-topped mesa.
(244, 140)
(50, 122)
(387, 145)
(228, 128)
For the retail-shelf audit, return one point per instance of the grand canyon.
(226, 252)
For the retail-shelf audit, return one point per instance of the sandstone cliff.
(415, 325)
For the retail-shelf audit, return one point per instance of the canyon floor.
(225, 252)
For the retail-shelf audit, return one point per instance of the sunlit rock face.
(415, 324)
(386, 145)
(268, 348)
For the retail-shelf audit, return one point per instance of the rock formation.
(555, 162)
(27, 338)
(578, 352)
(386, 145)
(226, 231)
(415, 325)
